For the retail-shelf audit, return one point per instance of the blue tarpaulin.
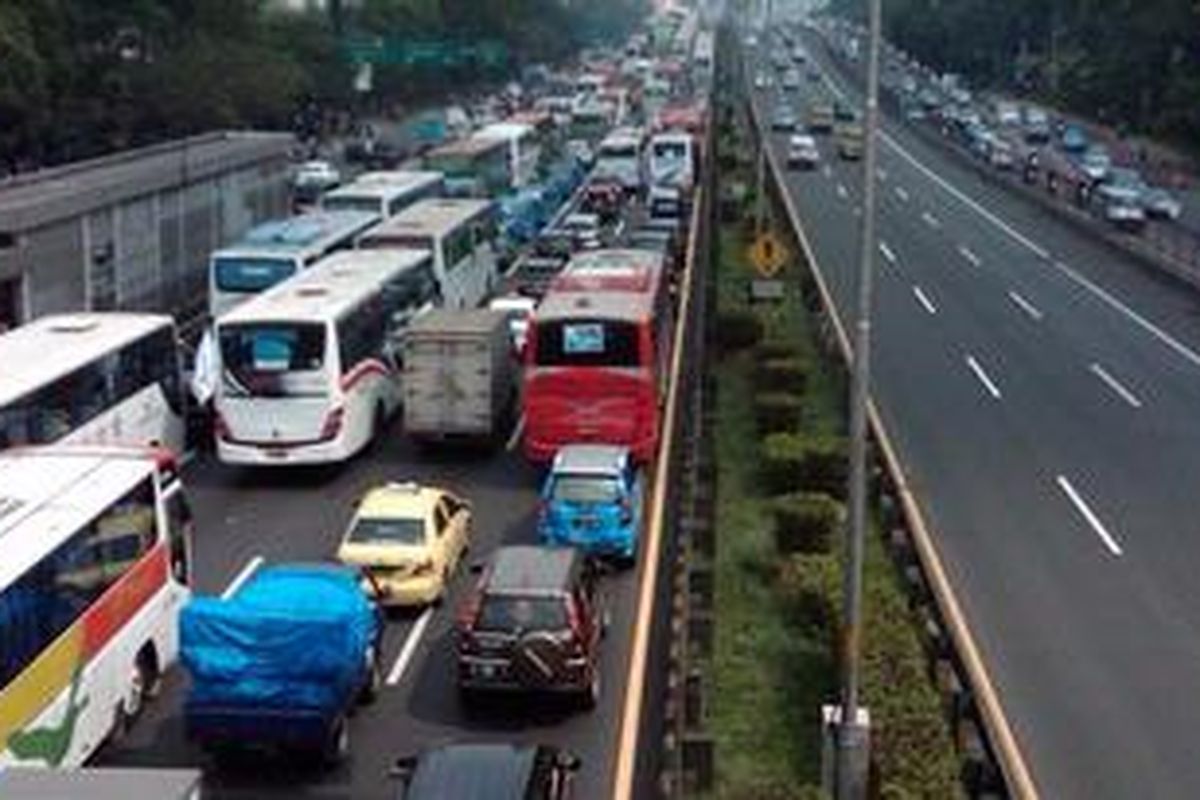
(293, 636)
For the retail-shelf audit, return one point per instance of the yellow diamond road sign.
(768, 255)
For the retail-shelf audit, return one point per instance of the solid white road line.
(924, 300)
(1026, 306)
(244, 575)
(966, 253)
(1179, 347)
(931, 220)
(983, 377)
(1116, 386)
(887, 252)
(901, 194)
(841, 190)
(410, 647)
(515, 438)
(1089, 515)
(989, 216)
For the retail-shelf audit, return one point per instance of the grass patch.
(777, 615)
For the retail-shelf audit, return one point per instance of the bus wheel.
(143, 683)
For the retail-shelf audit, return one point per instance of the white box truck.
(460, 375)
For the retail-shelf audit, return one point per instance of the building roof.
(40, 198)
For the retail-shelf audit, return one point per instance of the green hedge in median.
(805, 522)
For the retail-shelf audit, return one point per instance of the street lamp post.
(853, 731)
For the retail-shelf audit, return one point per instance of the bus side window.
(179, 530)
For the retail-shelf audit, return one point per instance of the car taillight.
(575, 621)
(221, 427)
(468, 614)
(333, 424)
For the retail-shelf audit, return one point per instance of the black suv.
(488, 772)
(532, 623)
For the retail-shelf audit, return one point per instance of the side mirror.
(403, 768)
(568, 762)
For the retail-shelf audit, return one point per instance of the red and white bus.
(598, 353)
(95, 571)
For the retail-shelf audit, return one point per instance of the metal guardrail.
(958, 662)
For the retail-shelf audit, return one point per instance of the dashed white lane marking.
(924, 300)
(1118, 388)
(1083, 508)
(901, 194)
(515, 438)
(842, 193)
(983, 377)
(1026, 306)
(410, 647)
(966, 253)
(931, 220)
(887, 252)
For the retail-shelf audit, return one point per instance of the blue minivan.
(592, 499)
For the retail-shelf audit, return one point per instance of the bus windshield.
(276, 359)
(236, 274)
(351, 203)
(675, 150)
(587, 343)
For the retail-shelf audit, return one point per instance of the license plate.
(276, 452)
(485, 670)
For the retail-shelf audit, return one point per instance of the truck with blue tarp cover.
(280, 664)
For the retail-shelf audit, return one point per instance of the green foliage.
(782, 374)
(82, 77)
(778, 411)
(793, 462)
(738, 330)
(805, 522)
(776, 348)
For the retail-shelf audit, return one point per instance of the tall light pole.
(853, 739)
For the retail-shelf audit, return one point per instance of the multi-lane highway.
(1041, 389)
(246, 517)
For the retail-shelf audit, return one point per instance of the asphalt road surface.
(1042, 391)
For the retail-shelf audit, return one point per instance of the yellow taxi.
(409, 538)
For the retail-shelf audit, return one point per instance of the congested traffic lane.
(296, 515)
(1055, 500)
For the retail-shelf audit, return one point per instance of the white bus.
(309, 369)
(524, 149)
(461, 235)
(93, 378)
(95, 571)
(620, 158)
(276, 250)
(385, 193)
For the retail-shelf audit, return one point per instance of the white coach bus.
(385, 193)
(275, 251)
(309, 369)
(95, 571)
(94, 378)
(461, 235)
